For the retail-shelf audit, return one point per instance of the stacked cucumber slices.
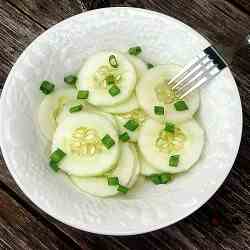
(118, 119)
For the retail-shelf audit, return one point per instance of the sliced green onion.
(160, 178)
(135, 51)
(131, 125)
(180, 106)
(150, 65)
(114, 90)
(165, 178)
(169, 127)
(124, 137)
(54, 165)
(113, 62)
(83, 94)
(70, 79)
(110, 79)
(159, 110)
(122, 189)
(107, 141)
(47, 87)
(57, 155)
(75, 108)
(174, 160)
(113, 181)
(155, 178)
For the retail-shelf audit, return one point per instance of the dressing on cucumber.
(131, 103)
(80, 137)
(158, 145)
(137, 115)
(119, 120)
(98, 76)
(152, 90)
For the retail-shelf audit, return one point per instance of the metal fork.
(201, 70)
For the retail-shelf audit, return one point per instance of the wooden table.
(222, 223)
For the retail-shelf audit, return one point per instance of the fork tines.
(199, 71)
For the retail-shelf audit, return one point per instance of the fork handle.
(228, 52)
(217, 59)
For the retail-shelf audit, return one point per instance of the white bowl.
(60, 51)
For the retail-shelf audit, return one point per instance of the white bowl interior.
(62, 50)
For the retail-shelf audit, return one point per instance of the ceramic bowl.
(61, 50)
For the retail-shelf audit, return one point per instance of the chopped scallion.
(57, 155)
(113, 181)
(122, 189)
(114, 90)
(180, 106)
(174, 160)
(107, 141)
(160, 178)
(47, 87)
(135, 51)
(83, 94)
(131, 125)
(54, 165)
(169, 127)
(113, 61)
(150, 65)
(159, 110)
(155, 178)
(110, 79)
(124, 137)
(70, 79)
(165, 178)
(75, 108)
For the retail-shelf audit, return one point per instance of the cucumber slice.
(90, 108)
(97, 68)
(152, 91)
(65, 111)
(98, 186)
(86, 108)
(131, 103)
(51, 107)
(146, 168)
(79, 136)
(139, 65)
(123, 107)
(138, 115)
(188, 144)
(137, 168)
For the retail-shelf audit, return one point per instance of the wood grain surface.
(222, 223)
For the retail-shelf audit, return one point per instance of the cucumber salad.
(118, 119)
